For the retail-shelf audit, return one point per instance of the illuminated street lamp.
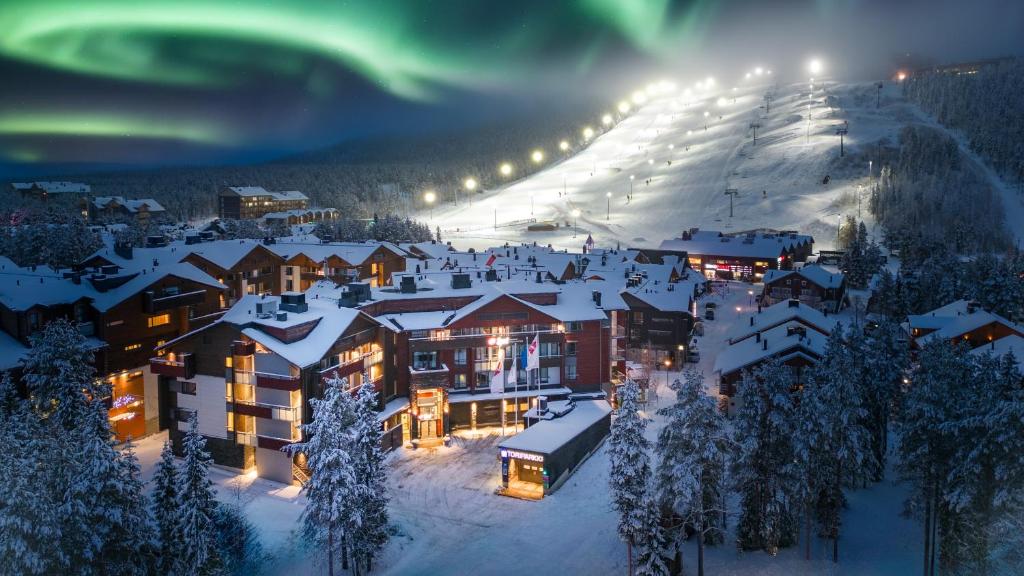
(608, 214)
(588, 133)
(575, 222)
(814, 66)
(606, 119)
(758, 71)
(721, 102)
(563, 145)
(470, 184)
(429, 197)
(639, 97)
(505, 169)
(706, 114)
(623, 107)
(631, 178)
(537, 156)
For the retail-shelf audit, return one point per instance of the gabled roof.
(780, 343)
(818, 275)
(939, 317)
(355, 253)
(227, 253)
(780, 313)
(54, 187)
(998, 348)
(132, 206)
(752, 245)
(961, 325)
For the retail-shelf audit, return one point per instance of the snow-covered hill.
(681, 171)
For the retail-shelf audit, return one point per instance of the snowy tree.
(59, 374)
(693, 449)
(885, 362)
(197, 510)
(370, 477)
(649, 559)
(331, 489)
(763, 471)
(166, 515)
(130, 548)
(926, 444)
(630, 467)
(833, 445)
(29, 522)
(237, 541)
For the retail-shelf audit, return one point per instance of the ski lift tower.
(731, 193)
(754, 126)
(841, 131)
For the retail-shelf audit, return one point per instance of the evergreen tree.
(29, 523)
(764, 472)
(59, 374)
(237, 541)
(370, 476)
(833, 446)
(885, 363)
(165, 513)
(199, 555)
(649, 559)
(331, 489)
(130, 548)
(693, 448)
(630, 467)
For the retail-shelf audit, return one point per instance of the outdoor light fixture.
(588, 132)
(606, 119)
(563, 145)
(814, 66)
(623, 107)
(537, 156)
(470, 184)
(505, 169)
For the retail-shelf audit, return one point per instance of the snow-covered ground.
(450, 521)
(682, 171)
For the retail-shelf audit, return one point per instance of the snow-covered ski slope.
(681, 171)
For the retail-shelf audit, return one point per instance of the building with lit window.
(255, 202)
(741, 255)
(249, 377)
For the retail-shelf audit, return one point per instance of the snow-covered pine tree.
(926, 443)
(885, 362)
(630, 467)
(29, 521)
(693, 449)
(833, 446)
(130, 548)
(199, 555)
(59, 374)
(370, 473)
(763, 471)
(649, 550)
(165, 513)
(237, 541)
(331, 488)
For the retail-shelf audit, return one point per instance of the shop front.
(430, 411)
(127, 405)
(523, 474)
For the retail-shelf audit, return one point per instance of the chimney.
(764, 344)
(757, 335)
(751, 320)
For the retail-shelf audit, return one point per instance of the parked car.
(698, 328)
(709, 314)
(711, 305)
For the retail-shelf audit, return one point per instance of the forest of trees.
(350, 176)
(929, 195)
(986, 106)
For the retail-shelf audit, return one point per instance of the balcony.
(278, 381)
(268, 442)
(266, 410)
(152, 303)
(429, 378)
(359, 364)
(181, 366)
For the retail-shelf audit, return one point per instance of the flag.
(533, 353)
(490, 260)
(513, 374)
(498, 374)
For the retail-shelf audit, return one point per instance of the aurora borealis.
(222, 77)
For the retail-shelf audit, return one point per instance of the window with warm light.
(160, 320)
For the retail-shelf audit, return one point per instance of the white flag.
(533, 354)
(513, 373)
(498, 374)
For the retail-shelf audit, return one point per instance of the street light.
(623, 107)
(575, 222)
(608, 214)
(606, 119)
(470, 184)
(706, 114)
(537, 156)
(505, 169)
(588, 133)
(758, 71)
(429, 197)
(814, 66)
(563, 145)
(531, 203)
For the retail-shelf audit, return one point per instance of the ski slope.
(682, 171)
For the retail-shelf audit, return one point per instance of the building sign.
(505, 454)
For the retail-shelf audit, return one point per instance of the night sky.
(209, 81)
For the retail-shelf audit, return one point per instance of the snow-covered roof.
(783, 341)
(261, 191)
(960, 325)
(54, 187)
(331, 323)
(132, 205)
(939, 317)
(431, 249)
(523, 392)
(752, 245)
(779, 313)
(547, 436)
(12, 352)
(355, 253)
(298, 212)
(813, 273)
(393, 407)
(225, 253)
(1007, 344)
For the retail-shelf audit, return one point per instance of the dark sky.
(139, 82)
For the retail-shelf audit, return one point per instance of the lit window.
(160, 320)
(131, 347)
